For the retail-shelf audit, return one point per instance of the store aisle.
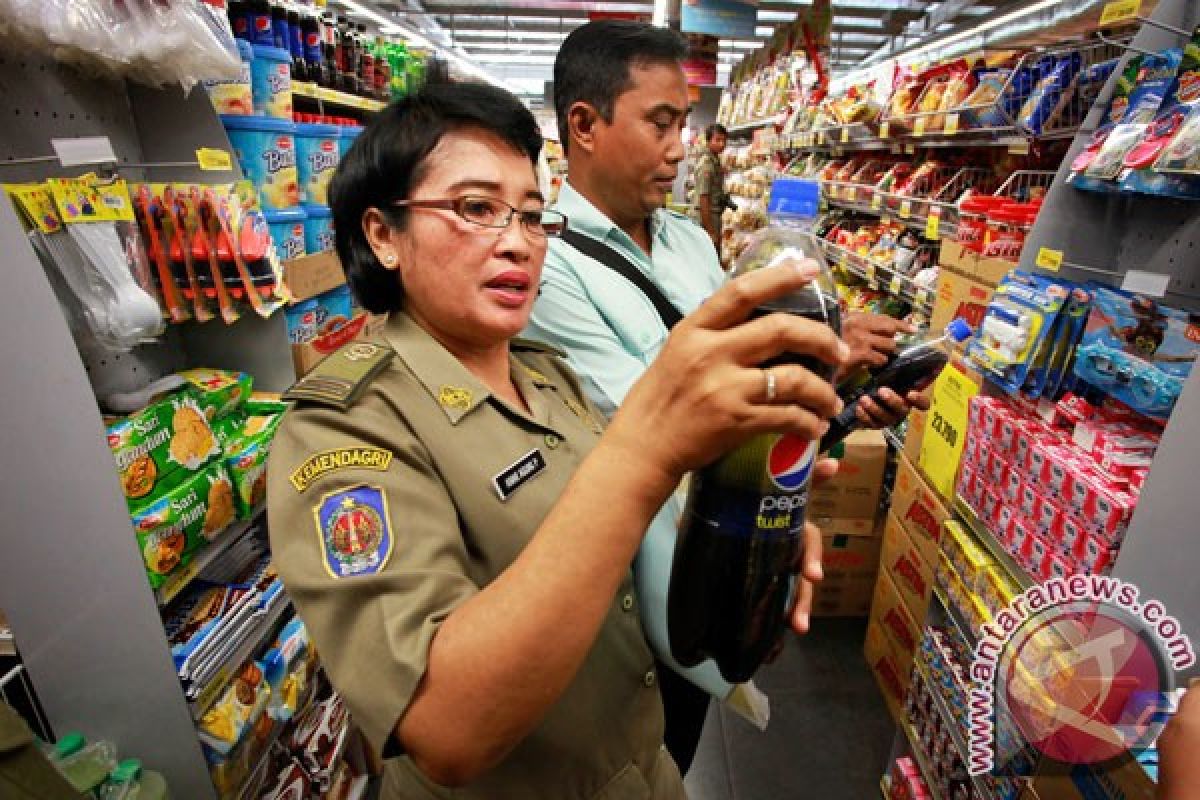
(830, 733)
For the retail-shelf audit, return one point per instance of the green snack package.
(218, 392)
(228, 430)
(172, 434)
(192, 510)
(246, 460)
(260, 403)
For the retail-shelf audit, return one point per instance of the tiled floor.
(829, 735)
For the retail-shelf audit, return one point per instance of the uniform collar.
(587, 219)
(452, 386)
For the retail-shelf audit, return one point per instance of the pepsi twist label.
(759, 489)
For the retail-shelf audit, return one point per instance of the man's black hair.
(389, 158)
(593, 64)
(714, 129)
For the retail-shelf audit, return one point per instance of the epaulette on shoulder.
(340, 379)
(518, 345)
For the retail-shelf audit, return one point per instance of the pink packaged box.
(997, 466)
(1091, 553)
(1046, 514)
(989, 504)
(1107, 513)
(1011, 486)
(1057, 565)
(1029, 501)
(1006, 430)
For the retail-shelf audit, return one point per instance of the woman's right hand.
(706, 393)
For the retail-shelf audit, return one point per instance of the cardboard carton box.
(985, 270)
(308, 355)
(914, 434)
(892, 671)
(854, 492)
(850, 563)
(890, 613)
(919, 509)
(309, 276)
(911, 574)
(959, 296)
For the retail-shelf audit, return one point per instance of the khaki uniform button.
(553, 441)
(649, 679)
(627, 602)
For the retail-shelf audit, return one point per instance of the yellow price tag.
(896, 285)
(932, 222)
(905, 209)
(845, 135)
(919, 127)
(951, 124)
(1119, 11)
(946, 428)
(176, 583)
(910, 148)
(1019, 149)
(212, 159)
(844, 259)
(885, 130)
(1050, 260)
(876, 202)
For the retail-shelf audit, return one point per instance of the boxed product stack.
(904, 781)
(905, 585)
(846, 509)
(1057, 499)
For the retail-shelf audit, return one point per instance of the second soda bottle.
(740, 544)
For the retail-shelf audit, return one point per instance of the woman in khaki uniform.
(444, 513)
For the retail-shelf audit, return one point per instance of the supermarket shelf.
(956, 619)
(234, 662)
(8, 647)
(747, 127)
(336, 98)
(951, 723)
(919, 224)
(182, 579)
(878, 275)
(914, 746)
(907, 142)
(968, 517)
(892, 439)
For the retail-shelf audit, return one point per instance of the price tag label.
(1019, 148)
(946, 428)
(870, 273)
(951, 124)
(212, 159)
(932, 223)
(1050, 260)
(910, 148)
(845, 135)
(885, 130)
(843, 259)
(1119, 11)
(876, 202)
(896, 285)
(919, 127)
(175, 584)
(905, 209)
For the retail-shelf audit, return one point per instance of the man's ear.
(582, 119)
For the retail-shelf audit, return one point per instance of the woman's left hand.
(811, 572)
(890, 408)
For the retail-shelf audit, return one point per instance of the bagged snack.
(228, 429)
(981, 109)
(235, 713)
(1118, 106)
(260, 402)
(218, 392)
(191, 510)
(172, 434)
(1048, 96)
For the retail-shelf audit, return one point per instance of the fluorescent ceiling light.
(515, 58)
(520, 47)
(509, 34)
(982, 27)
(776, 16)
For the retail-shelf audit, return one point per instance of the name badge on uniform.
(511, 478)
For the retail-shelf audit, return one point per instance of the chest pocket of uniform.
(628, 784)
(637, 325)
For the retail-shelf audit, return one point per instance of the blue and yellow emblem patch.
(356, 537)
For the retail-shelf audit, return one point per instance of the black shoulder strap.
(621, 265)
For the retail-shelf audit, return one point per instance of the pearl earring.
(389, 260)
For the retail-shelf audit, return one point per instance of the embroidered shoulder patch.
(318, 464)
(355, 533)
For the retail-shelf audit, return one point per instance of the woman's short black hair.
(593, 64)
(388, 160)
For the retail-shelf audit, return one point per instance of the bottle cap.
(126, 772)
(959, 330)
(69, 744)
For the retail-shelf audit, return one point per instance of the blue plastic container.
(271, 81)
(318, 229)
(349, 134)
(287, 231)
(266, 151)
(317, 157)
(319, 315)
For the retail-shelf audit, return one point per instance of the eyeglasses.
(488, 212)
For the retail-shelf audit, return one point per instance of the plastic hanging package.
(1118, 107)
(1155, 79)
(1016, 327)
(1138, 350)
(156, 42)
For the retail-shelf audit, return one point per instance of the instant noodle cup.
(168, 436)
(234, 95)
(266, 151)
(271, 81)
(317, 157)
(287, 231)
(318, 229)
